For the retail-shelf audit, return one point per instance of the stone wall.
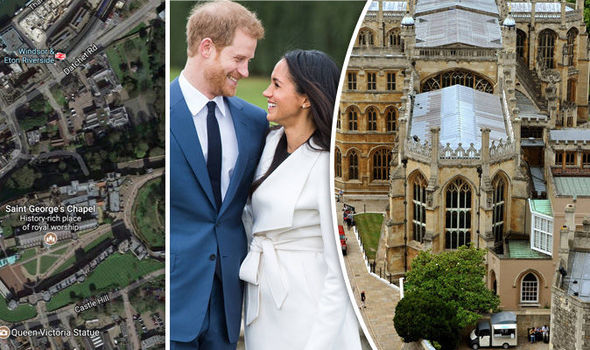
(526, 320)
(570, 322)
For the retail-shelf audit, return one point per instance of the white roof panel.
(458, 27)
(460, 112)
(569, 134)
(394, 6)
(552, 7)
(488, 6)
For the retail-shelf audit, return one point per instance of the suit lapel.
(241, 130)
(183, 129)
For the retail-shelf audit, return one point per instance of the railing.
(456, 52)
(372, 51)
(574, 171)
(538, 15)
(546, 16)
(419, 151)
(372, 15)
(393, 14)
(447, 152)
(501, 151)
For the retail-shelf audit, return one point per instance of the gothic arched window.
(522, 49)
(571, 90)
(458, 214)
(371, 119)
(529, 289)
(338, 163)
(366, 37)
(460, 77)
(394, 38)
(546, 53)
(353, 166)
(498, 213)
(381, 160)
(390, 119)
(570, 46)
(419, 207)
(352, 119)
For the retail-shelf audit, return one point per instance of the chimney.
(570, 212)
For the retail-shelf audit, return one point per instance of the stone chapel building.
(470, 119)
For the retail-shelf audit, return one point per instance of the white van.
(500, 330)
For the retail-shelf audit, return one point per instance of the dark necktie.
(214, 152)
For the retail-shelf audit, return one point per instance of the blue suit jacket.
(197, 230)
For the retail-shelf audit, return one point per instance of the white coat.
(296, 297)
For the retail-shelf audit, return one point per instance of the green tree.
(39, 105)
(141, 149)
(24, 178)
(586, 12)
(456, 278)
(421, 315)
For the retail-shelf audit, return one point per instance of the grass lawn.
(131, 50)
(249, 89)
(21, 313)
(9, 7)
(108, 235)
(46, 262)
(148, 213)
(115, 60)
(71, 260)
(118, 270)
(65, 265)
(28, 253)
(7, 230)
(31, 267)
(60, 251)
(58, 95)
(369, 227)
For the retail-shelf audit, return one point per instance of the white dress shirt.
(197, 105)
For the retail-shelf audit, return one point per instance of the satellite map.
(82, 148)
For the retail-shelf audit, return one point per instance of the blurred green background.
(320, 25)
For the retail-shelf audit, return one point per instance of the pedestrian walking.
(363, 298)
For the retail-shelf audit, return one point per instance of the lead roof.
(460, 112)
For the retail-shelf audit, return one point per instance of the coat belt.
(252, 268)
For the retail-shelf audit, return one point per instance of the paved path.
(381, 297)
(131, 331)
(63, 123)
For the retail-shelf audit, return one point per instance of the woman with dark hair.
(296, 297)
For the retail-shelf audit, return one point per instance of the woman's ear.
(305, 104)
